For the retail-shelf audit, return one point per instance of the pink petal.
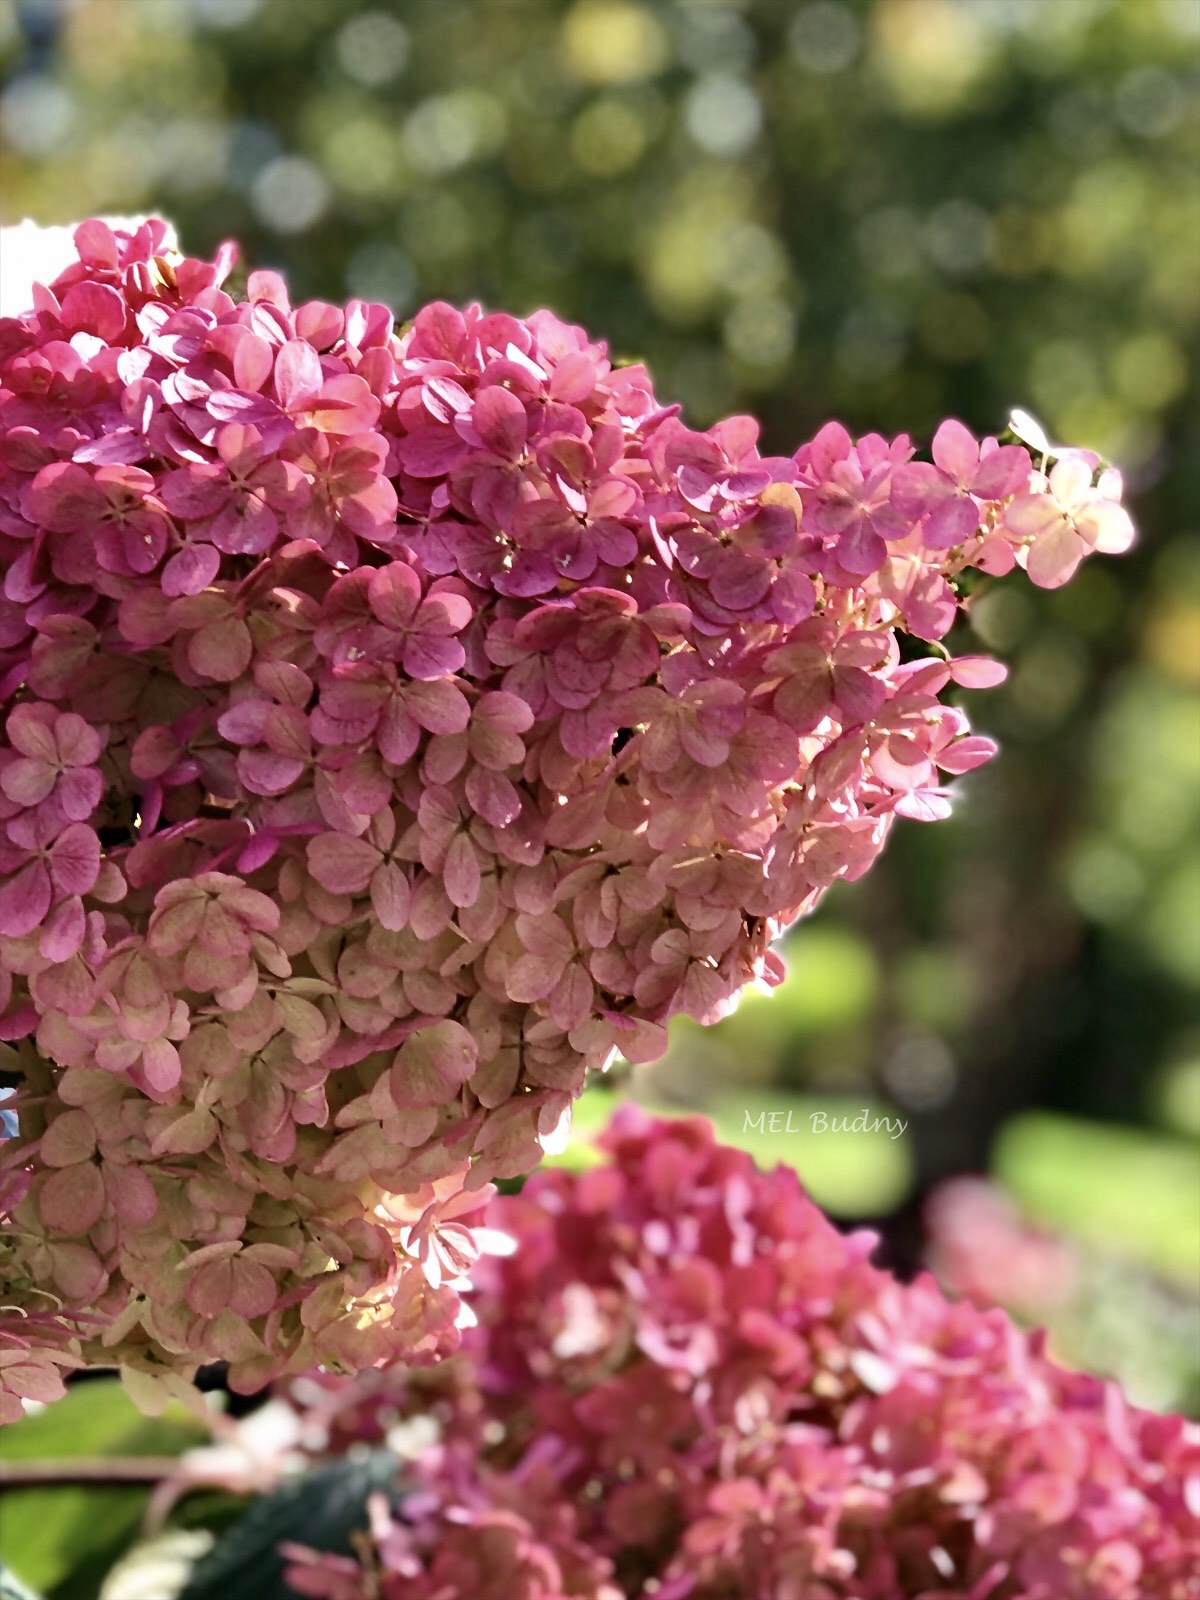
(341, 863)
(191, 569)
(94, 308)
(1054, 557)
(75, 860)
(460, 873)
(298, 375)
(429, 656)
(439, 706)
(1002, 473)
(963, 755)
(950, 523)
(739, 582)
(393, 593)
(27, 780)
(956, 451)
(391, 896)
(493, 796)
(531, 978)
(571, 998)
(432, 1064)
(221, 650)
(431, 452)
(31, 730)
(978, 672)
(72, 1199)
(62, 933)
(924, 805)
(500, 421)
(1106, 526)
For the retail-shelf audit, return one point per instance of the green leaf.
(11, 1587)
(63, 1538)
(322, 1509)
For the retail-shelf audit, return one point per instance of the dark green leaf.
(321, 1509)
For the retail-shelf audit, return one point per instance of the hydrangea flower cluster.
(397, 724)
(686, 1382)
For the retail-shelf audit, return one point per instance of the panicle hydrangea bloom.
(395, 724)
(686, 1382)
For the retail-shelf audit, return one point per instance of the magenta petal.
(429, 657)
(27, 780)
(861, 551)
(440, 706)
(431, 452)
(94, 308)
(75, 859)
(62, 933)
(79, 791)
(738, 581)
(190, 570)
(1002, 473)
(194, 492)
(917, 487)
(859, 693)
(950, 523)
(25, 900)
(394, 592)
(588, 733)
(499, 419)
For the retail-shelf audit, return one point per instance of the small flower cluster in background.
(687, 1383)
(397, 724)
(1103, 1310)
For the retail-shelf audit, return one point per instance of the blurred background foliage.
(888, 211)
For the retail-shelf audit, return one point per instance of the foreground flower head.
(687, 1383)
(397, 724)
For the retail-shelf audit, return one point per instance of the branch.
(121, 1469)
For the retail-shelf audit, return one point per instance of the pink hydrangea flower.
(685, 1381)
(395, 724)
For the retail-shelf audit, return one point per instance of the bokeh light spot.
(361, 157)
(447, 131)
(290, 194)
(223, 14)
(931, 53)
(608, 137)
(372, 48)
(824, 36)
(1150, 370)
(958, 236)
(723, 115)
(613, 41)
(381, 271)
(761, 331)
(36, 114)
(920, 1071)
